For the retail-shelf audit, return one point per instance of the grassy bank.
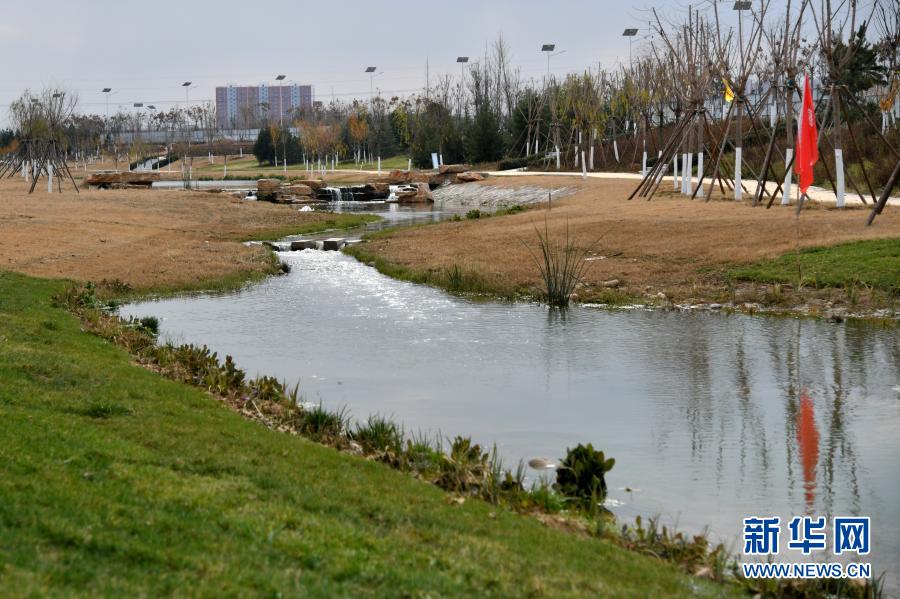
(118, 482)
(873, 263)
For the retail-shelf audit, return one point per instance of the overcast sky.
(145, 50)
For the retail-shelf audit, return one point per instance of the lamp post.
(740, 6)
(106, 91)
(462, 60)
(371, 72)
(630, 33)
(278, 81)
(549, 49)
(187, 102)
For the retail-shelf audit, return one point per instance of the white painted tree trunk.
(690, 174)
(379, 165)
(644, 164)
(738, 190)
(241, 151)
(675, 172)
(591, 158)
(839, 175)
(409, 164)
(557, 158)
(699, 174)
(49, 177)
(788, 178)
(884, 122)
(583, 166)
(616, 150)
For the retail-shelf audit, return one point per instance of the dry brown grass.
(146, 239)
(669, 244)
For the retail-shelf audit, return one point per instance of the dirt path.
(670, 245)
(143, 238)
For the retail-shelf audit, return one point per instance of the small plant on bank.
(561, 264)
(582, 475)
(473, 214)
(379, 435)
(320, 424)
(465, 469)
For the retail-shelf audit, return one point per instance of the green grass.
(117, 482)
(875, 263)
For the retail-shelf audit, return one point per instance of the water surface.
(710, 417)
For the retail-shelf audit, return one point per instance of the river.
(711, 417)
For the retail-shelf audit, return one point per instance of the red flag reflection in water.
(808, 440)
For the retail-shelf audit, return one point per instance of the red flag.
(807, 141)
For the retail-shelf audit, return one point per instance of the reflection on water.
(710, 417)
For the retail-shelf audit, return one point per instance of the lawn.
(118, 482)
(875, 263)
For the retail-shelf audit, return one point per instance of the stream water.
(711, 417)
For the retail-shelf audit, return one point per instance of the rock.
(611, 283)
(468, 177)
(266, 189)
(297, 189)
(541, 463)
(128, 179)
(303, 244)
(378, 188)
(314, 184)
(450, 169)
(422, 194)
(333, 244)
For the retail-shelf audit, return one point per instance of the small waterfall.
(334, 194)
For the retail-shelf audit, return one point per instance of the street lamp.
(630, 33)
(279, 79)
(371, 72)
(549, 49)
(462, 60)
(740, 6)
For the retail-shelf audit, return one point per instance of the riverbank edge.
(720, 299)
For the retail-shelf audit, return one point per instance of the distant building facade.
(247, 107)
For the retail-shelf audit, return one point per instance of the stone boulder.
(297, 189)
(123, 180)
(314, 184)
(267, 189)
(421, 195)
(468, 177)
(452, 169)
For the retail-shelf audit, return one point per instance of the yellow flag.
(729, 95)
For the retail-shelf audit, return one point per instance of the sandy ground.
(143, 238)
(670, 244)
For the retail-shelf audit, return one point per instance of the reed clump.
(561, 264)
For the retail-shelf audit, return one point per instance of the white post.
(675, 172)
(49, 177)
(699, 174)
(788, 178)
(583, 166)
(839, 171)
(242, 151)
(737, 174)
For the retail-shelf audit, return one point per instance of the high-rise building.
(246, 106)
